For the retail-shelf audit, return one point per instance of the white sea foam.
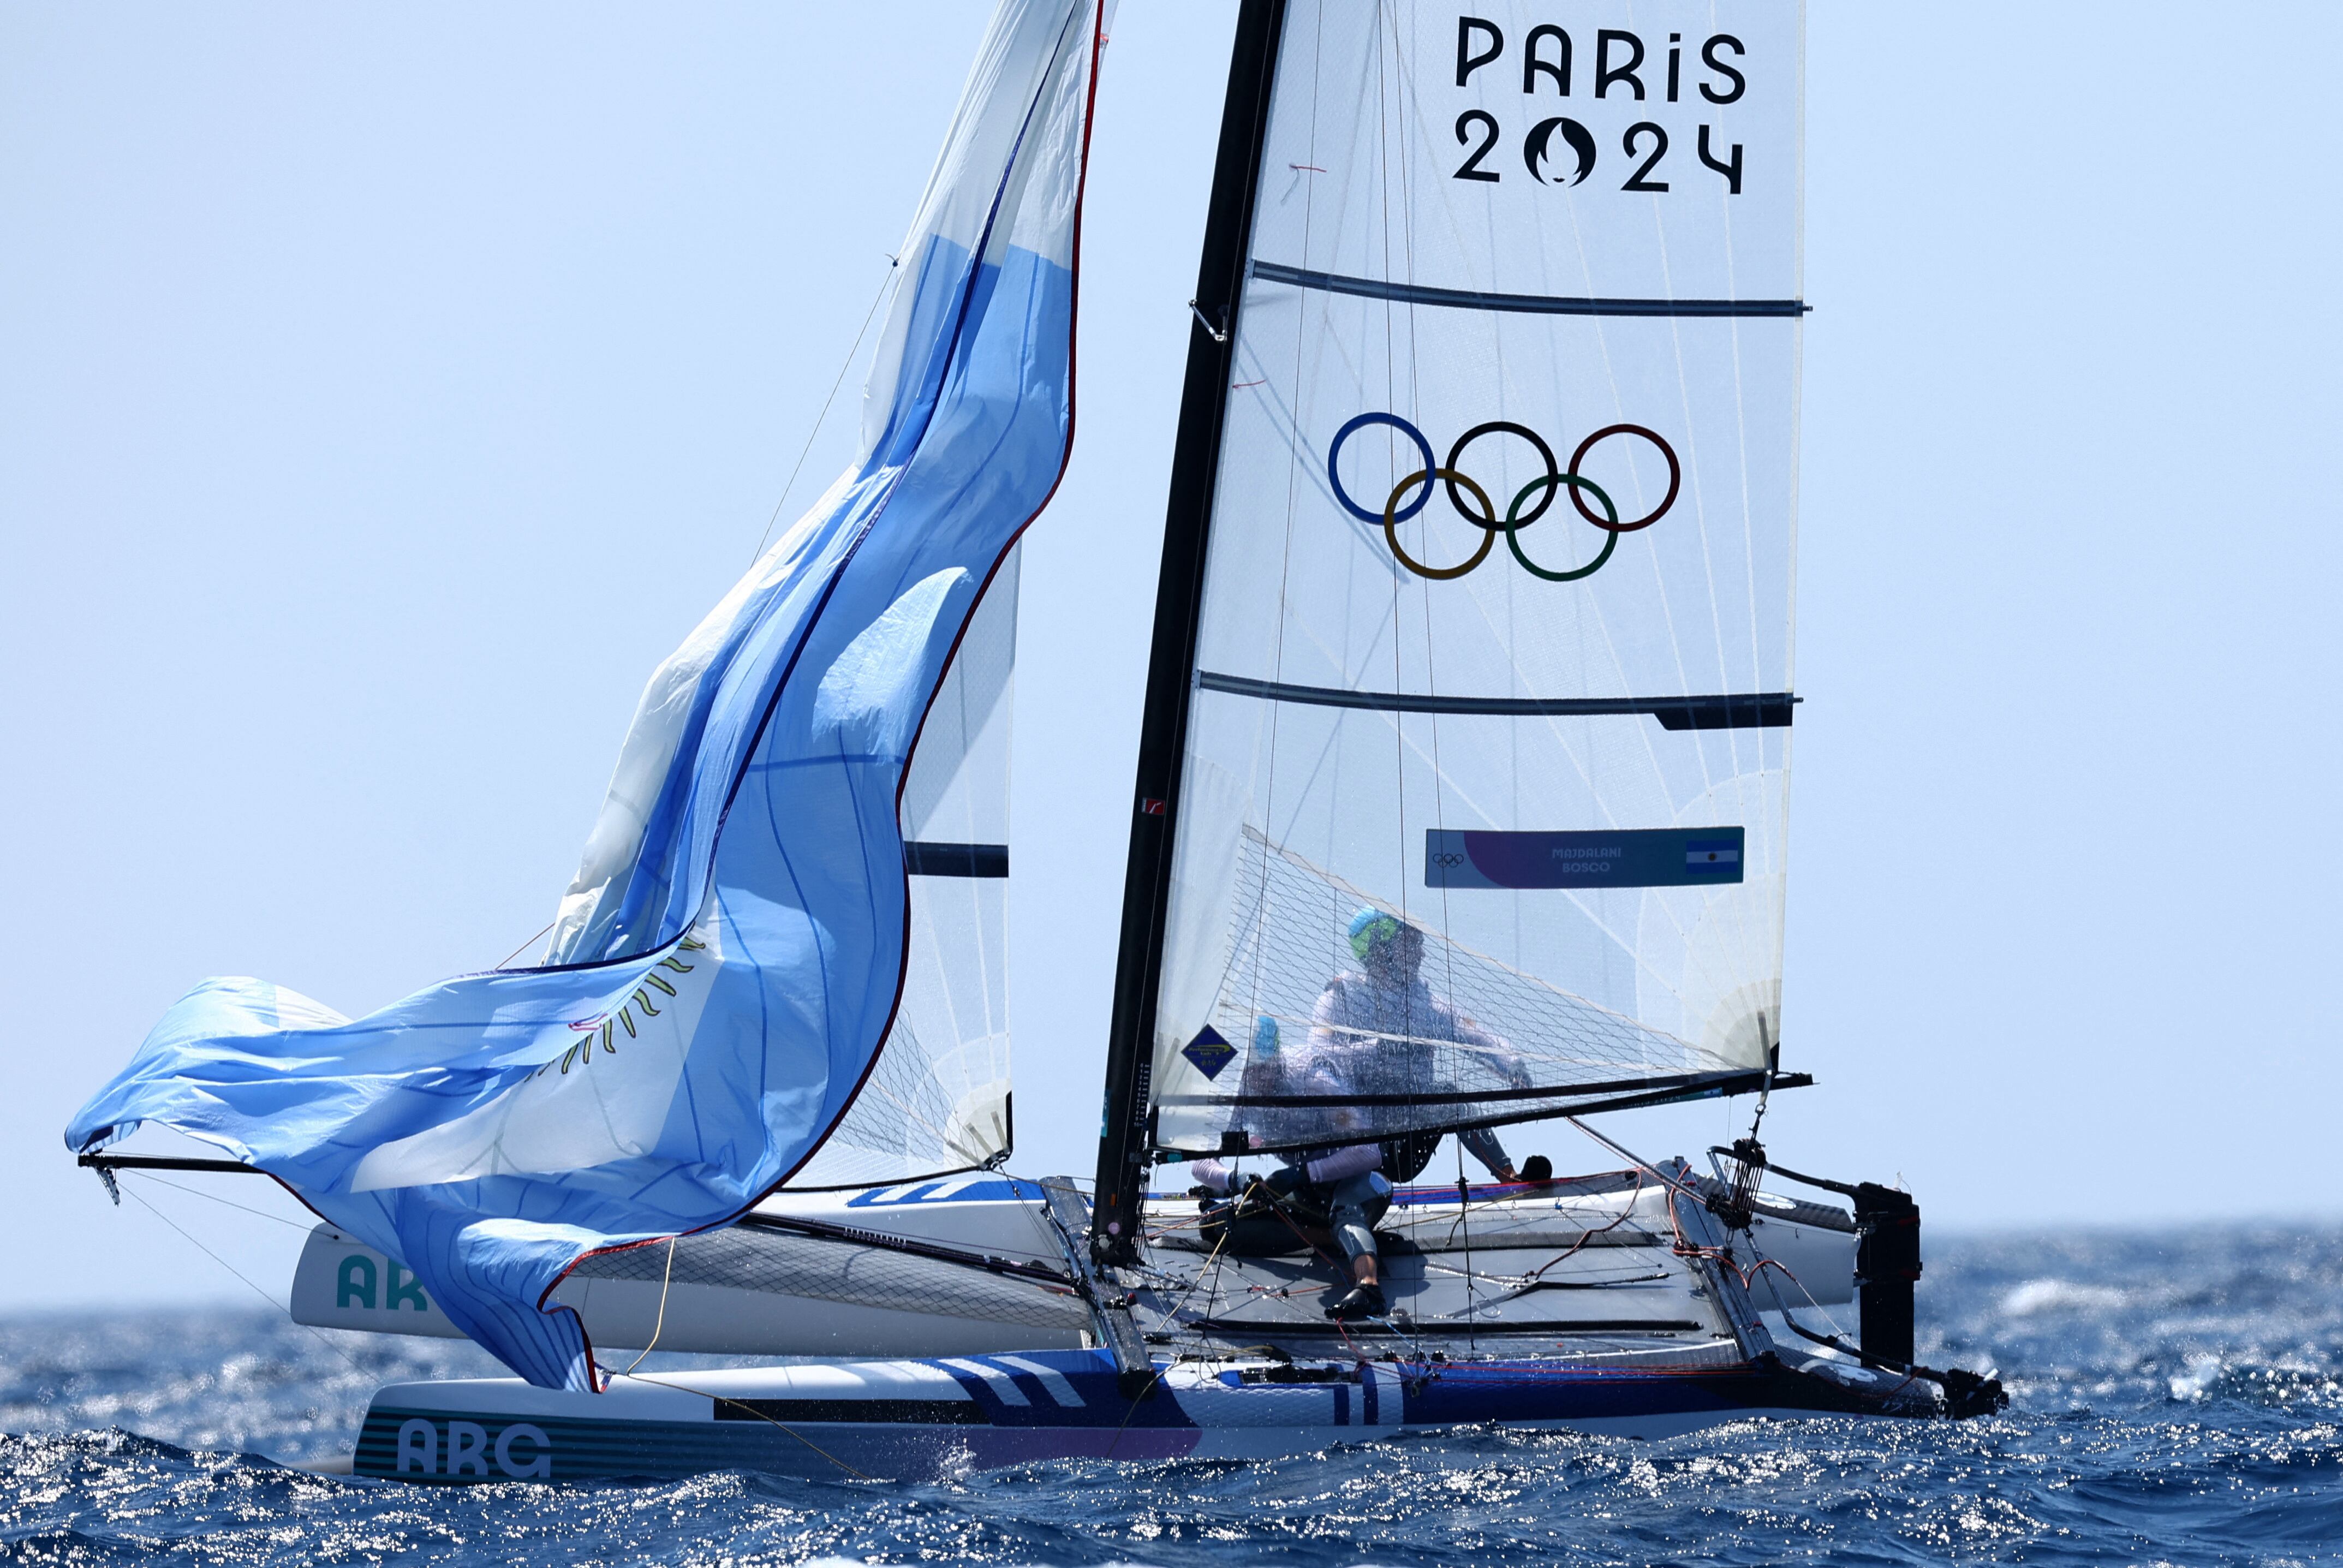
(2202, 1370)
(2059, 1296)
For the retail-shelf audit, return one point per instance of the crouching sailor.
(1375, 1032)
(1348, 1186)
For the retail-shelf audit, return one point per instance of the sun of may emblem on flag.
(1209, 1051)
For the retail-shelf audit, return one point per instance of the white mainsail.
(1514, 264)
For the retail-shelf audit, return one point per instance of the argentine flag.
(726, 963)
(1712, 857)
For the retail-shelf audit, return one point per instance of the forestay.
(730, 959)
(1496, 620)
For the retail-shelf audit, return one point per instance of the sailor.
(1374, 1032)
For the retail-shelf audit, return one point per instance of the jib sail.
(737, 959)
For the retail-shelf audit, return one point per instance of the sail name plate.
(1631, 858)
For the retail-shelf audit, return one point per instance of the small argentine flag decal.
(1720, 856)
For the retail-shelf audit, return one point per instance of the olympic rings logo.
(1452, 477)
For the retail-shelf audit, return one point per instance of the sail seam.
(1527, 304)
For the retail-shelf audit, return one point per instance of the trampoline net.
(1327, 1052)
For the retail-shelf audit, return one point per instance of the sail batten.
(1529, 304)
(1741, 710)
(938, 859)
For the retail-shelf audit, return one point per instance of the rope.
(659, 1326)
(761, 1415)
(1638, 1160)
(1144, 1393)
(1585, 1236)
(1172, 1315)
(1683, 1248)
(1748, 1276)
(1464, 1217)
(337, 1350)
(1341, 1271)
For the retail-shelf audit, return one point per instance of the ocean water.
(2176, 1399)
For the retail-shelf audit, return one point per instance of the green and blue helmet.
(1370, 925)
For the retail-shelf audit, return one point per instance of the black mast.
(1163, 726)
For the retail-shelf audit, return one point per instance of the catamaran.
(1428, 838)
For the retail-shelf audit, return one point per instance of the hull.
(1572, 1256)
(747, 1290)
(941, 1417)
(1599, 1303)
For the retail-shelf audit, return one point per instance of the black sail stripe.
(1527, 304)
(1728, 710)
(924, 858)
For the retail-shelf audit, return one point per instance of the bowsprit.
(1537, 496)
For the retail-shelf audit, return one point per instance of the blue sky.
(384, 390)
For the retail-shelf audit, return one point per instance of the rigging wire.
(1172, 1317)
(1172, 1313)
(525, 946)
(894, 264)
(1285, 567)
(256, 1290)
(1342, 1271)
(1401, 81)
(1685, 1248)
(215, 1198)
(1638, 1160)
(1464, 1217)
